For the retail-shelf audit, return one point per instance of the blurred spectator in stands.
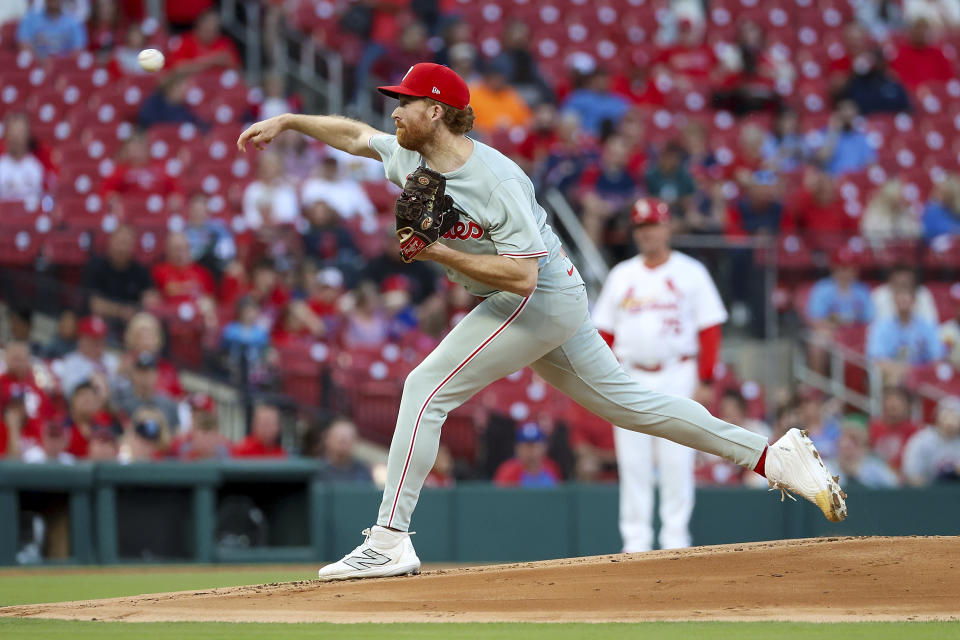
(539, 138)
(889, 216)
(402, 53)
(211, 241)
(595, 103)
(86, 411)
(783, 147)
(899, 342)
(205, 47)
(203, 442)
(104, 444)
(842, 147)
(591, 440)
(168, 104)
(818, 212)
(275, 101)
(123, 60)
(140, 390)
(856, 41)
(530, 466)
(750, 73)
(65, 339)
(345, 196)
(933, 454)
(698, 157)
(903, 276)
(641, 86)
(759, 210)
(50, 31)
(941, 216)
(572, 152)
(365, 324)
(20, 326)
(749, 156)
(136, 173)
(402, 315)
(198, 405)
(180, 281)
(91, 360)
(689, 58)
(327, 241)
(455, 32)
(19, 378)
(18, 431)
(52, 448)
(669, 180)
(518, 61)
(495, 102)
(118, 284)
(607, 190)
(917, 60)
(821, 416)
(147, 438)
(890, 431)
(301, 156)
(424, 276)
(856, 465)
(264, 438)
(950, 330)
(246, 341)
(836, 301)
(711, 469)
(339, 462)
(463, 60)
(441, 475)
(145, 335)
(103, 28)
(322, 291)
(711, 211)
(21, 173)
(181, 15)
(880, 17)
(270, 200)
(872, 87)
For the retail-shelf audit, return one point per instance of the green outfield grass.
(49, 585)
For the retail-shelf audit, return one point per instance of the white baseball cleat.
(384, 553)
(794, 465)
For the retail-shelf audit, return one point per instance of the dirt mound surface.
(824, 579)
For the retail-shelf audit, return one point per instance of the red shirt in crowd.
(813, 218)
(251, 447)
(639, 93)
(36, 401)
(916, 65)
(191, 49)
(186, 283)
(186, 11)
(139, 181)
(512, 473)
(168, 381)
(696, 61)
(888, 440)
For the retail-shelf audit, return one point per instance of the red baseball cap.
(201, 402)
(93, 327)
(429, 80)
(650, 211)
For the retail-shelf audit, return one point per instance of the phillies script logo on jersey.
(461, 231)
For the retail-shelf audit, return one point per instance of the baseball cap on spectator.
(145, 360)
(330, 277)
(201, 402)
(396, 282)
(650, 211)
(530, 432)
(148, 430)
(92, 327)
(431, 80)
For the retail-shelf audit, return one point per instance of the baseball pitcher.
(534, 310)
(661, 314)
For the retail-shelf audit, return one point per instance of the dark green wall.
(166, 512)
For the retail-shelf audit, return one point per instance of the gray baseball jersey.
(549, 330)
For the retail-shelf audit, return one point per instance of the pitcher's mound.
(826, 579)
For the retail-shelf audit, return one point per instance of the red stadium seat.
(19, 249)
(67, 248)
(933, 382)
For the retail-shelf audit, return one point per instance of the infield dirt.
(823, 579)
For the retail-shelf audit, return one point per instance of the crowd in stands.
(277, 271)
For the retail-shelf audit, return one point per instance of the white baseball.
(150, 59)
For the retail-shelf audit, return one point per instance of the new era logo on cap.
(436, 91)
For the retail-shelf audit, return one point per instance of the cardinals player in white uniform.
(661, 314)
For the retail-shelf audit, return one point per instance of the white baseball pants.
(552, 333)
(645, 462)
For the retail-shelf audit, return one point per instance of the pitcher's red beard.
(413, 136)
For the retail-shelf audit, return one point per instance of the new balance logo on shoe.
(436, 91)
(369, 559)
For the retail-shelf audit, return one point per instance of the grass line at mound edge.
(15, 629)
(62, 587)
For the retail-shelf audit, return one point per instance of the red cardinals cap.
(429, 80)
(650, 211)
(201, 402)
(93, 327)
